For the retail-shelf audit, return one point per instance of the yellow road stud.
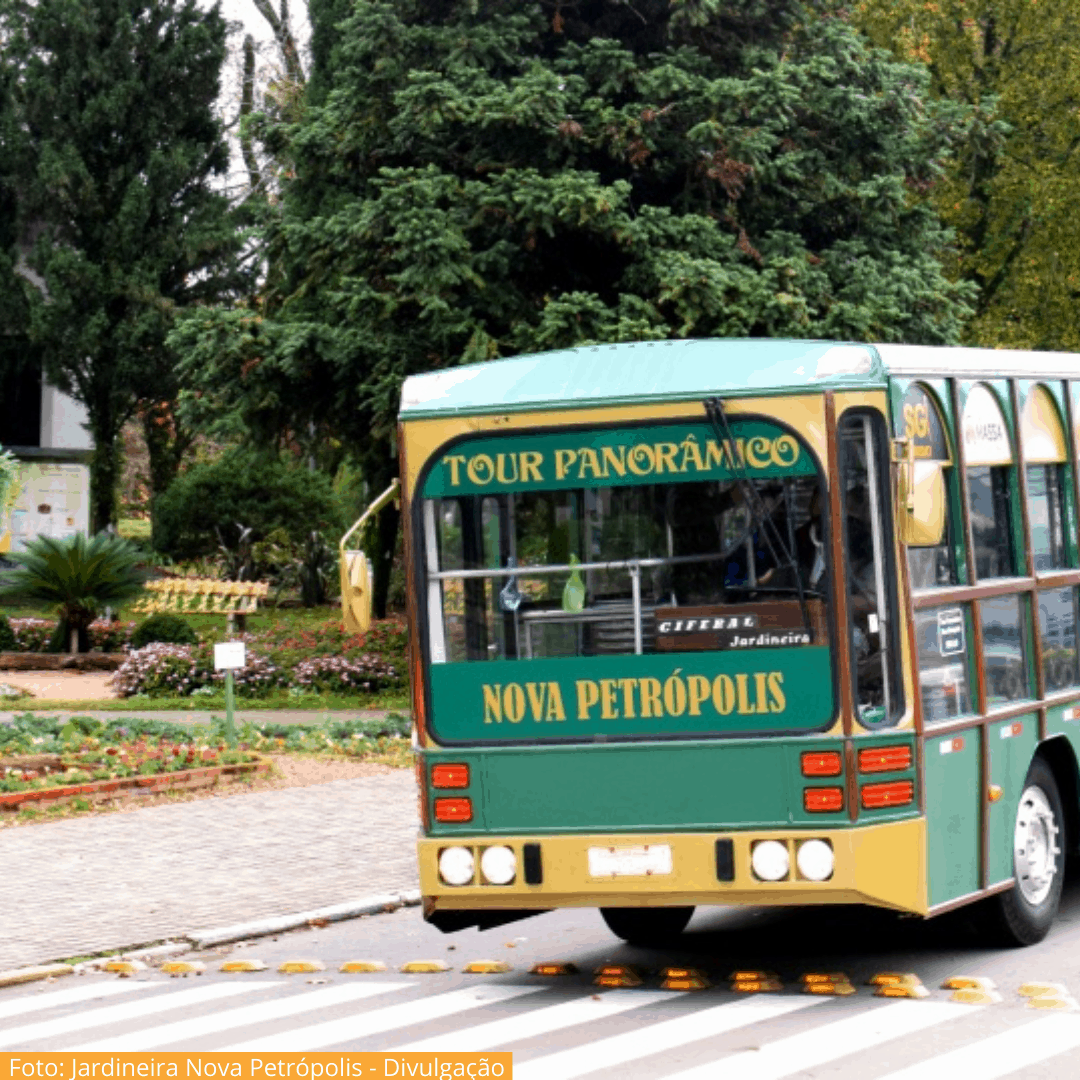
(554, 967)
(300, 967)
(124, 967)
(756, 986)
(243, 965)
(1052, 1001)
(823, 977)
(424, 967)
(902, 990)
(976, 997)
(840, 988)
(969, 982)
(751, 976)
(361, 967)
(1043, 989)
(894, 978)
(616, 975)
(486, 967)
(183, 967)
(687, 982)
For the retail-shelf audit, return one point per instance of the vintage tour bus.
(744, 622)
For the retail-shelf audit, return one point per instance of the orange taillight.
(450, 776)
(453, 810)
(892, 793)
(819, 800)
(821, 763)
(885, 759)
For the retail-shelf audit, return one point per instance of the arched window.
(988, 456)
(1043, 439)
(929, 564)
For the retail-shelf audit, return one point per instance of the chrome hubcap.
(1035, 849)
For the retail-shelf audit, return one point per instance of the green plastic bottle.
(573, 594)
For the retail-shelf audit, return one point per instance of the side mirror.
(922, 503)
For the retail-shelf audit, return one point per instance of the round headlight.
(815, 860)
(456, 865)
(498, 865)
(770, 860)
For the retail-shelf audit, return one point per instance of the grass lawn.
(391, 700)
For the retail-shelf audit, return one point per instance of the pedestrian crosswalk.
(554, 1030)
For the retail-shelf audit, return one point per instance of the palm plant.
(81, 576)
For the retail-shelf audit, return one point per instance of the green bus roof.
(641, 372)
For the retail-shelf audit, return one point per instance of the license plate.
(643, 861)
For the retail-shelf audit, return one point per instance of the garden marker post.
(228, 656)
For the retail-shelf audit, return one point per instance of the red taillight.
(450, 776)
(885, 759)
(819, 800)
(821, 763)
(453, 810)
(893, 793)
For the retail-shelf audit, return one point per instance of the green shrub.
(7, 636)
(163, 627)
(211, 503)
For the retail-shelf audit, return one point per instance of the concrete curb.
(368, 905)
(34, 974)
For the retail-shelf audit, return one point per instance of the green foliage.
(78, 575)
(109, 144)
(480, 178)
(7, 636)
(211, 504)
(164, 626)
(1011, 192)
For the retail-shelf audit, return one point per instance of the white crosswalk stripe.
(317, 1036)
(72, 995)
(130, 1010)
(825, 1044)
(999, 1055)
(546, 1021)
(279, 1009)
(793, 1036)
(656, 1038)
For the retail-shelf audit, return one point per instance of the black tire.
(647, 926)
(1024, 914)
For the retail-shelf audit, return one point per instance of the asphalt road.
(563, 1027)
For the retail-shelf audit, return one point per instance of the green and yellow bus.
(744, 622)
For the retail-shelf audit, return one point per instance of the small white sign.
(630, 861)
(229, 654)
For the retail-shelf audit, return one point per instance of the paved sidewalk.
(81, 886)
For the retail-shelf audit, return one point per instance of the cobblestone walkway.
(90, 884)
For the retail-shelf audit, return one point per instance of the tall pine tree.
(478, 178)
(109, 146)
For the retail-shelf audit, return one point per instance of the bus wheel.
(647, 926)
(1023, 914)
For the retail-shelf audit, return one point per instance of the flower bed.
(42, 797)
(160, 670)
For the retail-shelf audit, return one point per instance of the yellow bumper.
(881, 865)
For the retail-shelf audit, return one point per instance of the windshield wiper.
(783, 555)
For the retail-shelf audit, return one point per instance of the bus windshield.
(596, 571)
(644, 543)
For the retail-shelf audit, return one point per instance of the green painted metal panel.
(1012, 745)
(952, 815)
(614, 457)
(642, 372)
(637, 788)
(598, 698)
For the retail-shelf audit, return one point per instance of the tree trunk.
(105, 473)
(166, 443)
